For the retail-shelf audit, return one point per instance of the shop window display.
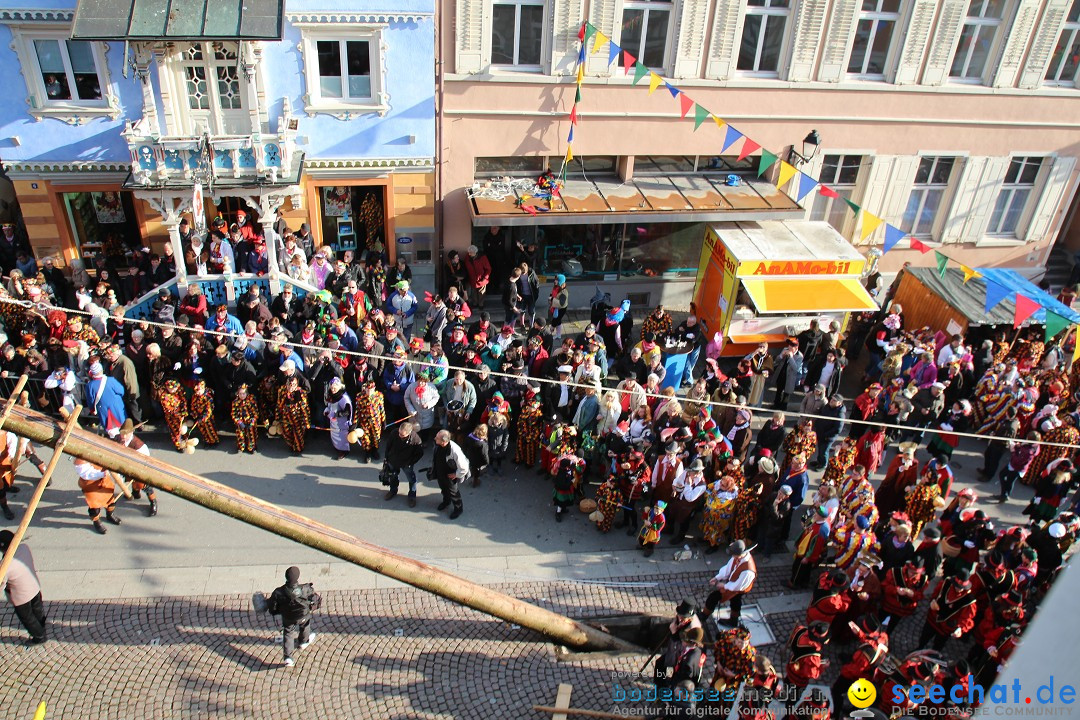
(353, 218)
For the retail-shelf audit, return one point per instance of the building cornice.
(36, 14)
(367, 163)
(334, 16)
(17, 167)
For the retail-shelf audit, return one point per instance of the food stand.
(765, 281)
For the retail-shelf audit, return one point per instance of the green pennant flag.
(700, 116)
(767, 161)
(640, 71)
(942, 263)
(1055, 324)
(854, 208)
(577, 95)
(589, 32)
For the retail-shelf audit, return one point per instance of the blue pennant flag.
(995, 293)
(806, 184)
(672, 89)
(893, 235)
(731, 136)
(581, 54)
(613, 52)
(570, 138)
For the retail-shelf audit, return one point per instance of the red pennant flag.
(573, 115)
(581, 33)
(748, 147)
(828, 191)
(921, 247)
(628, 61)
(1025, 308)
(686, 102)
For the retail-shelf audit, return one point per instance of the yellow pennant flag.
(1076, 350)
(787, 171)
(654, 82)
(580, 73)
(598, 41)
(870, 223)
(969, 273)
(569, 154)
(719, 123)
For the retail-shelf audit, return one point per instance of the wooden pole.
(13, 398)
(247, 508)
(577, 711)
(31, 507)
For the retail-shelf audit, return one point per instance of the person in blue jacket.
(222, 321)
(106, 396)
(395, 379)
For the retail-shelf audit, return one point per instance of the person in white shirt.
(688, 495)
(733, 581)
(955, 350)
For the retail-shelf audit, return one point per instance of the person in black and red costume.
(952, 611)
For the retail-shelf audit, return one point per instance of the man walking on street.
(402, 452)
(450, 468)
(294, 602)
(23, 590)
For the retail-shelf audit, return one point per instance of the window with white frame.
(1066, 58)
(977, 40)
(343, 68)
(63, 77)
(764, 28)
(645, 31)
(873, 38)
(927, 195)
(841, 173)
(517, 33)
(1012, 199)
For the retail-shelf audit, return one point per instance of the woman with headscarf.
(339, 411)
(559, 299)
(739, 435)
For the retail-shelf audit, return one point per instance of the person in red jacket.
(915, 670)
(478, 268)
(830, 598)
(805, 664)
(952, 611)
(872, 648)
(901, 591)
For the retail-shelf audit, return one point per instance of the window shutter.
(983, 188)
(470, 36)
(1042, 47)
(919, 25)
(690, 41)
(967, 168)
(809, 21)
(602, 16)
(942, 48)
(1016, 43)
(838, 39)
(726, 28)
(1058, 181)
(567, 16)
(899, 189)
(877, 185)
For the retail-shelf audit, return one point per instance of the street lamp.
(810, 145)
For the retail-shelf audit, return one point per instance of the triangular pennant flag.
(685, 103)
(613, 53)
(828, 191)
(942, 263)
(893, 235)
(590, 30)
(569, 155)
(767, 161)
(672, 89)
(628, 61)
(969, 273)
(580, 73)
(700, 116)
(919, 245)
(640, 71)
(730, 138)
(995, 293)
(854, 208)
(570, 137)
(787, 171)
(654, 82)
(598, 41)
(806, 184)
(719, 121)
(581, 32)
(870, 223)
(573, 115)
(1025, 308)
(1054, 324)
(749, 147)
(577, 95)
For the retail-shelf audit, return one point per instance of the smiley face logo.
(862, 693)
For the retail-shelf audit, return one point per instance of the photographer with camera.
(402, 452)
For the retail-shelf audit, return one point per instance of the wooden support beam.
(13, 399)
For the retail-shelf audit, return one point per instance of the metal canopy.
(178, 20)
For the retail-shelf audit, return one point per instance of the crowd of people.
(676, 458)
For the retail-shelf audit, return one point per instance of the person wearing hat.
(294, 602)
(830, 599)
(530, 422)
(402, 305)
(462, 393)
(420, 399)
(559, 300)
(854, 539)
(559, 399)
(810, 548)
(370, 419)
(478, 274)
(805, 662)
(395, 378)
(170, 395)
(787, 368)
(872, 648)
(244, 412)
(775, 513)
(98, 488)
(734, 580)
(127, 439)
(339, 412)
(903, 472)
(106, 397)
(680, 657)
(666, 471)
(688, 497)
(653, 522)
(202, 413)
(292, 412)
(952, 611)
(734, 658)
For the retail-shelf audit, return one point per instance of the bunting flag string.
(1025, 306)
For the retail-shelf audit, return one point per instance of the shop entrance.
(353, 217)
(103, 223)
